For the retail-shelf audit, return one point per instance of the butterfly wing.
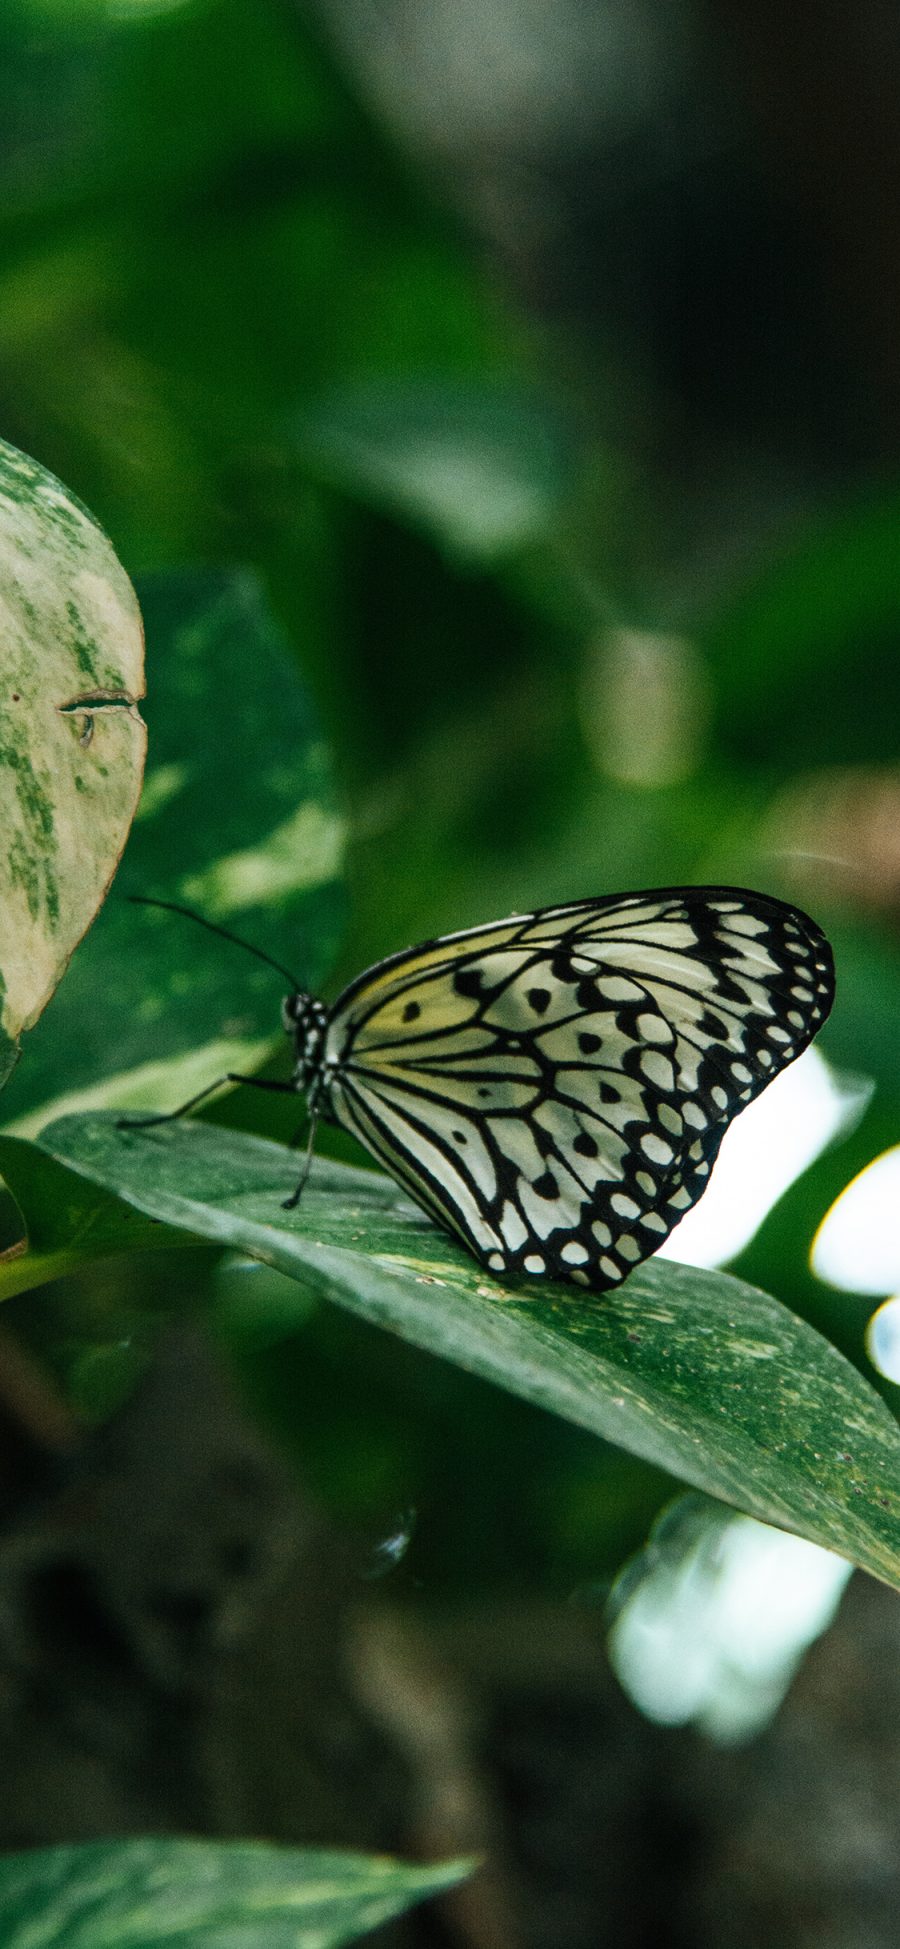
(554, 1088)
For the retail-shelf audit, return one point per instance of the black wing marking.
(554, 1088)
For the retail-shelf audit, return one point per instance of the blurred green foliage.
(147, 1894)
(237, 322)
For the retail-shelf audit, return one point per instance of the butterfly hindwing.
(554, 1088)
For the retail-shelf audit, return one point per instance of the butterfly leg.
(291, 1203)
(170, 1116)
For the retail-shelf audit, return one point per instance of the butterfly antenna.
(225, 934)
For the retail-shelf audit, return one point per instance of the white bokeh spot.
(763, 1151)
(857, 1245)
(713, 1634)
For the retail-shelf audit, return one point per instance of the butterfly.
(553, 1088)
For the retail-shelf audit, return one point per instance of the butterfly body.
(553, 1088)
(306, 1020)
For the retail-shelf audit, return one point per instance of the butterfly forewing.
(554, 1088)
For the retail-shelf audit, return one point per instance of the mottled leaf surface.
(71, 737)
(695, 1371)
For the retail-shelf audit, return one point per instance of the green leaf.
(694, 1371)
(481, 466)
(147, 1894)
(69, 1222)
(71, 738)
(237, 820)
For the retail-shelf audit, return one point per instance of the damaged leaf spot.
(86, 707)
(99, 700)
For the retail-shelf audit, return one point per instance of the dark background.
(544, 364)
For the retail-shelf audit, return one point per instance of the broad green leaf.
(238, 820)
(694, 1371)
(71, 737)
(174, 1894)
(69, 1222)
(481, 466)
